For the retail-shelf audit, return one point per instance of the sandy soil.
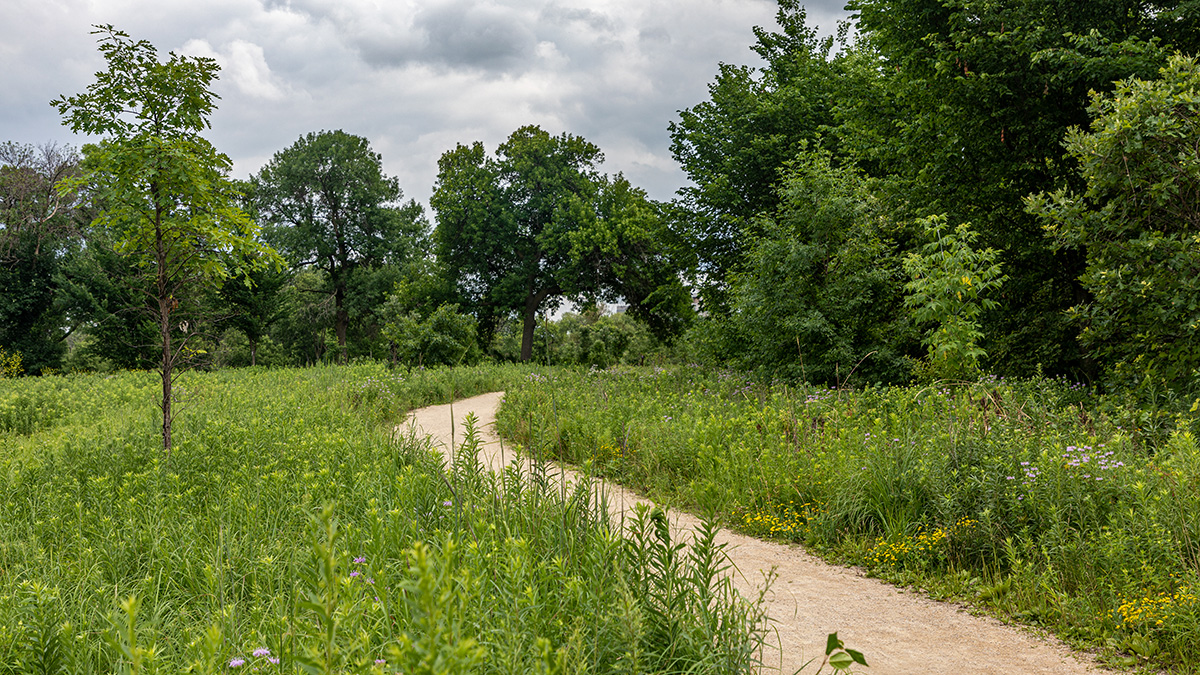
(898, 631)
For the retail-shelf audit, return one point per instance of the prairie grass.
(293, 531)
(1034, 499)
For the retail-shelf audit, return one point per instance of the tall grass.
(293, 531)
(1032, 498)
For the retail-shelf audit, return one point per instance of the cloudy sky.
(415, 77)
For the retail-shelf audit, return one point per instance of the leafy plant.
(1136, 222)
(949, 278)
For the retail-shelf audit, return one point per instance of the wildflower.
(380, 662)
(274, 660)
(237, 662)
(447, 503)
(360, 560)
(354, 573)
(261, 652)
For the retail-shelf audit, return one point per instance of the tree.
(734, 147)
(1137, 220)
(949, 278)
(819, 299)
(537, 223)
(39, 230)
(328, 205)
(446, 337)
(166, 200)
(33, 212)
(253, 297)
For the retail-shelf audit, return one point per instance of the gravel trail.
(898, 631)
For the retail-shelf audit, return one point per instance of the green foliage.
(166, 202)
(446, 338)
(735, 147)
(295, 531)
(949, 279)
(329, 206)
(982, 94)
(590, 338)
(307, 319)
(1138, 226)
(38, 234)
(253, 300)
(820, 294)
(537, 223)
(1032, 499)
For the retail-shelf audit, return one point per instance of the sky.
(414, 77)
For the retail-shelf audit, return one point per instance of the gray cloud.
(413, 76)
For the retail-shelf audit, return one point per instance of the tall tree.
(329, 205)
(39, 228)
(537, 223)
(167, 202)
(734, 146)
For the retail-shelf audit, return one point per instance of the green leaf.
(841, 661)
(831, 643)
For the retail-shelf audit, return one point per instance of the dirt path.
(898, 632)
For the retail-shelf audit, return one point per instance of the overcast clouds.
(413, 76)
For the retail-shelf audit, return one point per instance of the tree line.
(943, 188)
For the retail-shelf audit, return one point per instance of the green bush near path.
(1032, 498)
(291, 529)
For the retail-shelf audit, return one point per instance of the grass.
(1033, 499)
(292, 531)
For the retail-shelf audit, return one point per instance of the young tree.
(820, 297)
(166, 200)
(329, 205)
(949, 278)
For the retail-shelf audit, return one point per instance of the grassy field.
(1033, 499)
(291, 532)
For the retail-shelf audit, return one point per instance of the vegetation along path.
(898, 631)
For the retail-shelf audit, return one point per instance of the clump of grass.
(1034, 498)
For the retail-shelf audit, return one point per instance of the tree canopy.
(328, 204)
(537, 222)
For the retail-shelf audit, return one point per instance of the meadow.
(291, 530)
(1036, 500)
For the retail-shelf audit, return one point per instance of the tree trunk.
(165, 305)
(253, 351)
(342, 320)
(532, 302)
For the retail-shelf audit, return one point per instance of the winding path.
(898, 632)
